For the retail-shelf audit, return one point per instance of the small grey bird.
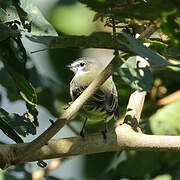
(103, 105)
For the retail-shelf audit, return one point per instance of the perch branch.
(123, 138)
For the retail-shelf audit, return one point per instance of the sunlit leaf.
(39, 25)
(166, 120)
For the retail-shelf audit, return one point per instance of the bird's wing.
(111, 102)
(107, 100)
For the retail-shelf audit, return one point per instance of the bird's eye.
(81, 64)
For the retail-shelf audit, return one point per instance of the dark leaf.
(14, 58)
(134, 45)
(137, 78)
(7, 82)
(14, 125)
(7, 32)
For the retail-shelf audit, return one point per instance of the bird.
(103, 104)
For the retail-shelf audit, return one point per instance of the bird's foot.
(104, 133)
(82, 133)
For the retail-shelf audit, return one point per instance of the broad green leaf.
(39, 25)
(3, 15)
(137, 78)
(28, 16)
(166, 120)
(69, 15)
(134, 45)
(8, 12)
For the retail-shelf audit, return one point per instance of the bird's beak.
(70, 67)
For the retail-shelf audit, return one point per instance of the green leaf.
(20, 124)
(137, 78)
(3, 15)
(166, 120)
(134, 45)
(15, 126)
(14, 58)
(7, 82)
(39, 25)
(8, 14)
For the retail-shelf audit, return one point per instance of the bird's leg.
(82, 132)
(104, 132)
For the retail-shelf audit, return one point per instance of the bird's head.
(85, 64)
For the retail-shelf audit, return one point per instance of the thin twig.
(169, 99)
(148, 31)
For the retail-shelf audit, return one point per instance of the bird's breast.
(85, 78)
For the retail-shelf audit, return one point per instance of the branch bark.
(95, 40)
(134, 109)
(123, 138)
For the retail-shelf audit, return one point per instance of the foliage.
(160, 77)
